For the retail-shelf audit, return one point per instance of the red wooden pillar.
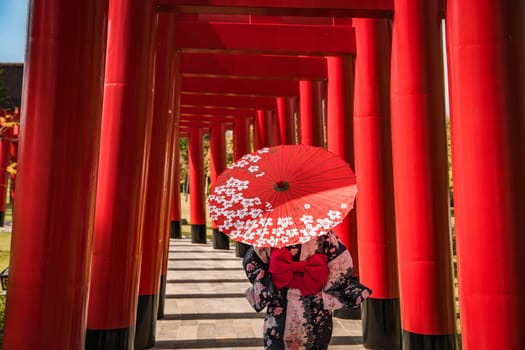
(241, 146)
(272, 122)
(340, 134)
(5, 152)
(340, 140)
(53, 218)
(259, 130)
(257, 137)
(197, 183)
(487, 85)
(217, 166)
(373, 165)
(157, 197)
(241, 137)
(175, 229)
(13, 155)
(173, 189)
(420, 178)
(311, 112)
(286, 108)
(125, 142)
(265, 130)
(13, 158)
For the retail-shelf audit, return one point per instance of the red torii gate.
(444, 341)
(216, 111)
(256, 66)
(229, 42)
(253, 67)
(145, 314)
(264, 117)
(205, 120)
(476, 103)
(224, 101)
(261, 67)
(257, 82)
(264, 38)
(312, 132)
(219, 101)
(240, 86)
(266, 137)
(285, 92)
(308, 8)
(335, 127)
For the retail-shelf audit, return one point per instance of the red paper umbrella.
(282, 195)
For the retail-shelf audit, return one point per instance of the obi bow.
(308, 276)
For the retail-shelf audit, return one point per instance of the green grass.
(2, 318)
(5, 245)
(5, 248)
(186, 231)
(5, 240)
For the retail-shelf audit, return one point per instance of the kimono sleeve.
(262, 290)
(341, 290)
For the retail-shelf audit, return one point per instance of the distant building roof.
(12, 77)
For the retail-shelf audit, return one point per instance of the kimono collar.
(308, 276)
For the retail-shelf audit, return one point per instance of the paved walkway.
(206, 309)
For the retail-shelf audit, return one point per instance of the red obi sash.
(308, 276)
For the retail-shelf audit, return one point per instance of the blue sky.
(13, 30)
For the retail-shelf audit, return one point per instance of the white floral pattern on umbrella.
(263, 200)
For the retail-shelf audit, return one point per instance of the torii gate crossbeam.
(240, 86)
(245, 102)
(311, 8)
(253, 66)
(264, 38)
(217, 111)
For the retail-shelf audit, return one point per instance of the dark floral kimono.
(296, 321)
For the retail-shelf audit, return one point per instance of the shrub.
(2, 315)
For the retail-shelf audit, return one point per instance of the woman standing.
(300, 285)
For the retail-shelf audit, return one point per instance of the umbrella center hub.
(281, 186)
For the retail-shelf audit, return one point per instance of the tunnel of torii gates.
(111, 86)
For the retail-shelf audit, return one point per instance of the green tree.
(229, 147)
(183, 159)
(449, 153)
(184, 162)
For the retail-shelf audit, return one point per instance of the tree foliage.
(449, 153)
(183, 158)
(184, 162)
